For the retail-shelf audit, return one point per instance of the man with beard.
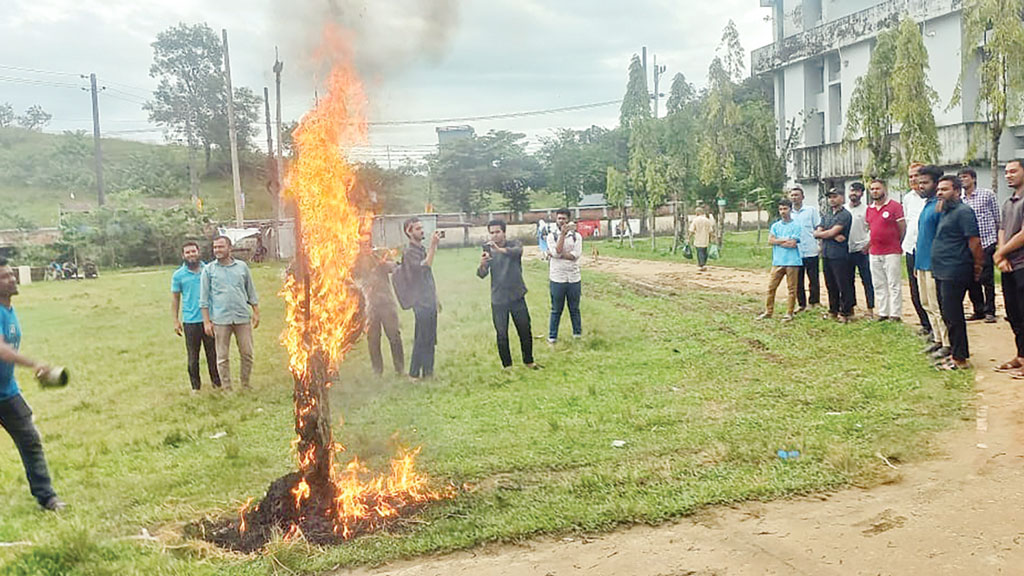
(860, 244)
(912, 206)
(807, 216)
(834, 232)
(188, 319)
(887, 227)
(927, 182)
(986, 210)
(417, 264)
(1009, 258)
(502, 259)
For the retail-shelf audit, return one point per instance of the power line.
(497, 116)
(37, 71)
(37, 82)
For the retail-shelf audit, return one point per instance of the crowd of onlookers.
(948, 232)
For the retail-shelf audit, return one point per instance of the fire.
(323, 316)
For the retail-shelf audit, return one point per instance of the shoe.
(932, 348)
(976, 316)
(895, 319)
(990, 319)
(941, 352)
(764, 315)
(881, 318)
(800, 309)
(843, 319)
(924, 332)
(551, 340)
(787, 318)
(870, 314)
(54, 504)
(829, 316)
(534, 366)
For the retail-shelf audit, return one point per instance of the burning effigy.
(322, 501)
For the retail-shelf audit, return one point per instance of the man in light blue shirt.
(226, 295)
(784, 236)
(188, 319)
(808, 216)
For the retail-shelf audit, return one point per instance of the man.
(807, 217)
(784, 236)
(887, 226)
(956, 259)
(188, 319)
(372, 275)
(417, 263)
(15, 414)
(986, 210)
(565, 246)
(912, 206)
(927, 182)
(702, 229)
(226, 295)
(503, 260)
(860, 244)
(1009, 257)
(834, 232)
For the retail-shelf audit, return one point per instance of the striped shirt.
(986, 210)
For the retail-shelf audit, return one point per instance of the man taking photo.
(503, 260)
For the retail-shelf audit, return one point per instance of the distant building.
(821, 47)
(448, 134)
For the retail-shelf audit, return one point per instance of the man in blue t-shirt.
(15, 414)
(188, 319)
(784, 236)
(928, 183)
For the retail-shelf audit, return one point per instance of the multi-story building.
(821, 48)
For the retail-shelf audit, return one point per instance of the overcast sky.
(420, 59)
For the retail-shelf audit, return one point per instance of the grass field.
(740, 250)
(701, 394)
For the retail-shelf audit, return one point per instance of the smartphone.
(440, 233)
(487, 248)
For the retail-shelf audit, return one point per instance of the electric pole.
(97, 147)
(658, 71)
(278, 67)
(233, 136)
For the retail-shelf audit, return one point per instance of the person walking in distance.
(373, 277)
(957, 259)
(913, 203)
(860, 245)
(188, 318)
(927, 182)
(807, 216)
(886, 226)
(565, 247)
(784, 237)
(417, 263)
(502, 259)
(1009, 258)
(15, 414)
(834, 232)
(702, 229)
(986, 210)
(230, 307)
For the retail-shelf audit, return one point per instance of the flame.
(241, 515)
(301, 492)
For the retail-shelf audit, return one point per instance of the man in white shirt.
(912, 206)
(860, 243)
(565, 247)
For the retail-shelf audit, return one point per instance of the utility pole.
(389, 157)
(97, 147)
(658, 71)
(278, 67)
(233, 135)
(271, 162)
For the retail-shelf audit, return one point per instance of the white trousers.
(887, 279)
(930, 302)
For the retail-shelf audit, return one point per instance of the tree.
(680, 95)
(994, 26)
(6, 115)
(913, 97)
(35, 118)
(71, 167)
(733, 59)
(719, 119)
(869, 119)
(615, 193)
(636, 104)
(575, 162)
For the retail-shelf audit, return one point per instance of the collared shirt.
(883, 225)
(951, 252)
(12, 337)
(781, 255)
(926, 225)
(832, 248)
(1012, 218)
(186, 282)
(986, 210)
(421, 277)
(859, 237)
(912, 206)
(228, 292)
(701, 228)
(808, 217)
(563, 270)
(506, 272)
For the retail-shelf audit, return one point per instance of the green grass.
(701, 393)
(739, 250)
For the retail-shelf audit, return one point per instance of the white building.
(821, 47)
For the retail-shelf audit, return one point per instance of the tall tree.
(732, 53)
(470, 171)
(869, 119)
(576, 161)
(6, 115)
(994, 26)
(35, 118)
(680, 95)
(636, 104)
(719, 118)
(618, 198)
(913, 97)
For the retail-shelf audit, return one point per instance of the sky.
(419, 59)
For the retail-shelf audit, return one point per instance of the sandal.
(950, 366)
(1018, 375)
(1009, 366)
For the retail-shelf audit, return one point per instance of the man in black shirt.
(957, 259)
(417, 262)
(834, 231)
(503, 260)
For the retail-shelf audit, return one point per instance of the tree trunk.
(654, 216)
(720, 233)
(996, 135)
(739, 218)
(758, 223)
(208, 151)
(675, 224)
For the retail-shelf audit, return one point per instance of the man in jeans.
(417, 263)
(860, 244)
(807, 216)
(986, 211)
(565, 246)
(834, 232)
(188, 319)
(503, 260)
(373, 276)
(784, 236)
(912, 206)
(226, 295)
(15, 414)
(702, 229)
(1009, 258)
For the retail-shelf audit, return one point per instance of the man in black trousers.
(834, 232)
(503, 260)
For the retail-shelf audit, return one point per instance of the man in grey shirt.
(860, 243)
(226, 294)
(503, 260)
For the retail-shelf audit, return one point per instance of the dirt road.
(962, 513)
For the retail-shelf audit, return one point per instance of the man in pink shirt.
(886, 226)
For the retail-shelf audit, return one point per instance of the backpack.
(402, 282)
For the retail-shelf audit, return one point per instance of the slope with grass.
(701, 395)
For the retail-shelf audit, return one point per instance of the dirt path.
(962, 513)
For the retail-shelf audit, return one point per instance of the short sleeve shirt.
(782, 256)
(859, 229)
(912, 206)
(951, 254)
(422, 277)
(926, 225)
(186, 283)
(1010, 224)
(12, 337)
(831, 248)
(808, 217)
(883, 224)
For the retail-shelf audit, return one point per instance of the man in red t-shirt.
(886, 226)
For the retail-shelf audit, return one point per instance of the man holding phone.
(503, 260)
(565, 247)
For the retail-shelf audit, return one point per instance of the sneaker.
(551, 340)
(990, 319)
(801, 309)
(54, 504)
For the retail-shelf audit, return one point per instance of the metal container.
(56, 377)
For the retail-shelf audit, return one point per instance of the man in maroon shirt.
(886, 226)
